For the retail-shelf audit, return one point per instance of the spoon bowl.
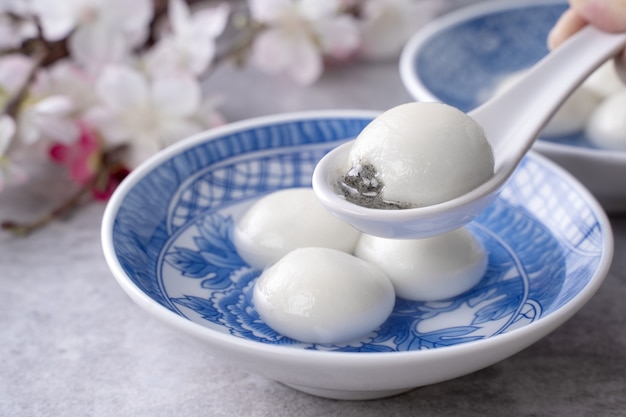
(511, 121)
(408, 223)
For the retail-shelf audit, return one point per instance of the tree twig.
(108, 160)
(40, 55)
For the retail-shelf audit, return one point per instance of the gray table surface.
(73, 344)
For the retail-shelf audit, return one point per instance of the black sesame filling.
(362, 185)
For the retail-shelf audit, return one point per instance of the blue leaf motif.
(216, 237)
(201, 306)
(214, 257)
(447, 337)
(191, 263)
(218, 279)
(497, 310)
(228, 260)
(368, 348)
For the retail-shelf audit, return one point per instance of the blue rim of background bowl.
(416, 87)
(550, 321)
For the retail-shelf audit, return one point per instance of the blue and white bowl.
(460, 59)
(167, 237)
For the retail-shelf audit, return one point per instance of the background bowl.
(166, 235)
(461, 57)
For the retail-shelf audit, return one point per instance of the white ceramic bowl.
(166, 235)
(461, 57)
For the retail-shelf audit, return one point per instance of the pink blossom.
(81, 158)
(84, 162)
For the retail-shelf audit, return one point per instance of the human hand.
(607, 15)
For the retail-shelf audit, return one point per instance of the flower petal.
(339, 37)
(211, 22)
(123, 89)
(270, 51)
(70, 79)
(268, 11)
(55, 105)
(164, 58)
(95, 46)
(60, 153)
(306, 64)
(176, 96)
(130, 18)
(51, 118)
(105, 122)
(179, 15)
(14, 69)
(197, 55)
(319, 9)
(57, 20)
(58, 129)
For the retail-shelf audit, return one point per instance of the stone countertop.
(73, 344)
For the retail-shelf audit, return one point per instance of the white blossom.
(14, 70)
(190, 46)
(100, 31)
(387, 24)
(59, 18)
(298, 33)
(16, 23)
(67, 78)
(147, 113)
(38, 116)
(47, 118)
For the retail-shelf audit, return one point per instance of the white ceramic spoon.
(511, 122)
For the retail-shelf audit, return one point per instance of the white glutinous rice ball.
(320, 295)
(605, 80)
(285, 220)
(417, 154)
(607, 126)
(428, 269)
(573, 114)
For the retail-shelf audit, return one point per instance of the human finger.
(569, 23)
(573, 20)
(607, 15)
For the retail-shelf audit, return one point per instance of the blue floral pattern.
(173, 236)
(463, 72)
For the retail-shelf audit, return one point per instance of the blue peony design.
(173, 236)
(496, 302)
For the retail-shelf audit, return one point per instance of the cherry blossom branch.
(240, 47)
(94, 83)
(108, 160)
(39, 57)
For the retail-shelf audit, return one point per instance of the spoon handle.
(513, 119)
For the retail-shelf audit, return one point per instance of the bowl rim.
(416, 87)
(230, 342)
